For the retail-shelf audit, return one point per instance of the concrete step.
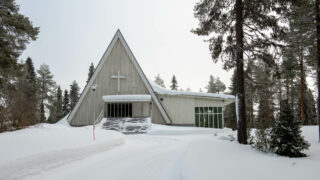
(128, 125)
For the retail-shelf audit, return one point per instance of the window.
(209, 117)
(119, 110)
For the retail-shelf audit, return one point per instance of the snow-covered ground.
(167, 153)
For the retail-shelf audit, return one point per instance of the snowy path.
(166, 153)
(143, 157)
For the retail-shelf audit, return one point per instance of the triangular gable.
(119, 36)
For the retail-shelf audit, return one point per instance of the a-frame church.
(123, 91)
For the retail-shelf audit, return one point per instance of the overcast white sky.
(74, 33)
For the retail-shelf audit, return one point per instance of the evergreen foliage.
(239, 28)
(262, 140)
(42, 113)
(301, 40)
(55, 107)
(159, 81)
(46, 86)
(215, 85)
(91, 71)
(17, 92)
(16, 31)
(66, 103)
(230, 118)
(59, 104)
(30, 90)
(174, 83)
(286, 138)
(74, 94)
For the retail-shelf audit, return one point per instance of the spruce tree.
(286, 138)
(91, 71)
(59, 104)
(31, 77)
(159, 81)
(174, 83)
(30, 90)
(66, 104)
(42, 113)
(74, 94)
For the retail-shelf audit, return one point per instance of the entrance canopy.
(127, 98)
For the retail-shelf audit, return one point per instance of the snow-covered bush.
(262, 140)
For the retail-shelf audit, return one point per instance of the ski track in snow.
(141, 157)
(166, 153)
(35, 164)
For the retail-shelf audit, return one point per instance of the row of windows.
(119, 110)
(208, 117)
(208, 110)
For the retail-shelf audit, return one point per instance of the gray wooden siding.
(118, 60)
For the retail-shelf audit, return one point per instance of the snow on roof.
(160, 90)
(127, 98)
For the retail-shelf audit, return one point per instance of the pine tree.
(16, 31)
(301, 42)
(286, 138)
(220, 86)
(74, 94)
(240, 28)
(159, 81)
(174, 83)
(91, 71)
(265, 95)
(317, 7)
(46, 86)
(66, 104)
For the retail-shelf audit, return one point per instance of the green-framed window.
(211, 117)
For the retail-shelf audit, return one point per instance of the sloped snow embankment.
(216, 158)
(47, 146)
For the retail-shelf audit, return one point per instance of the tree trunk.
(301, 86)
(318, 57)
(242, 125)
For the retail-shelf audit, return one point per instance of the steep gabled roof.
(119, 36)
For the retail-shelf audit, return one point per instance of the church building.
(120, 89)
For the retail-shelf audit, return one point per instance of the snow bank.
(46, 146)
(164, 130)
(160, 90)
(218, 158)
(127, 98)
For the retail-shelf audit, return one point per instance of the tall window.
(208, 117)
(119, 110)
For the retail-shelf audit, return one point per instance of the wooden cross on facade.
(119, 77)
